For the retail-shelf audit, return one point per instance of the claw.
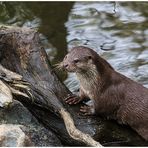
(84, 109)
(73, 99)
(87, 110)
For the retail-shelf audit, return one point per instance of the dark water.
(117, 31)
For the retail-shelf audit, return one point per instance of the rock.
(17, 114)
(12, 136)
(5, 95)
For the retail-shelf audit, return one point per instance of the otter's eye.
(89, 57)
(76, 60)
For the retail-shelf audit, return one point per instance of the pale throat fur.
(89, 81)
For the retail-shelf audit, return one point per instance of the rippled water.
(117, 31)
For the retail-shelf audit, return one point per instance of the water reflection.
(18, 14)
(117, 31)
(47, 17)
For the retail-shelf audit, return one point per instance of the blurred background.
(118, 31)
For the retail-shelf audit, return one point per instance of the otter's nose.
(66, 65)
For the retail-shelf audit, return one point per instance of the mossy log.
(27, 72)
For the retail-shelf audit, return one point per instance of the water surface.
(117, 31)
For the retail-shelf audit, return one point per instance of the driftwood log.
(28, 74)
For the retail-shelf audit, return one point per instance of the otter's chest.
(88, 86)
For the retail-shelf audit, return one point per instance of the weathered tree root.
(75, 133)
(69, 123)
(19, 87)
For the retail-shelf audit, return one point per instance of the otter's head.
(79, 59)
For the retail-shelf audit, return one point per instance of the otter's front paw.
(87, 110)
(72, 99)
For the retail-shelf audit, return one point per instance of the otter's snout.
(68, 67)
(65, 66)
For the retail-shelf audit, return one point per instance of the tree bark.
(21, 52)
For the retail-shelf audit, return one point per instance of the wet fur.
(115, 96)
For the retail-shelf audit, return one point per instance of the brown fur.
(114, 95)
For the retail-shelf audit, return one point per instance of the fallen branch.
(75, 133)
(17, 87)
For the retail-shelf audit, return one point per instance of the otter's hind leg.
(87, 110)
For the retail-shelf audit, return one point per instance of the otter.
(114, 95)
